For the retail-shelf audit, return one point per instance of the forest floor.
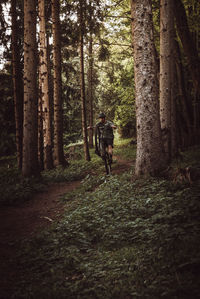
(88, 235)
(22, 222)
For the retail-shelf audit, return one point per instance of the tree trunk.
(48, 161)
(150, 154)
(49, 63)
(184, 106)
(188, 44)
(58, 109)
(90, 91)
(40, 129)
(174, 87)
(166, 22)
(17, 85)
(82, 85)
(90, 77)
(30, 134)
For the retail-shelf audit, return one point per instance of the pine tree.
(188, 43)
(191, 52)
(57, 83)
(150, 156)
(44, 92)
(17, 79)
(30, 132)
(166, 24)
(90, 77)
(82, 85)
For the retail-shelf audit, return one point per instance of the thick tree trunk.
(48, 161)
(30, 140)
(90, 90)
(58, 110)
(188, 43)
(17, 85)
(82, 85)
(166, 15)
(191, 51)
(150, 154)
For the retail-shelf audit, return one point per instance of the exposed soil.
(26, 220)
(22, 222)
(122, 165)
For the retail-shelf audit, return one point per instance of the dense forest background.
(67, 229)
(82, 63)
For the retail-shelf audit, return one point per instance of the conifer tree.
(90, 77)
(166, 29)
(82, 84)
(17, 85)
(44, 86)
(57, 83)
(30, 128)
(150, 156)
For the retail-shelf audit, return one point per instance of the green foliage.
(191, 157)
(125, 110)
(125, 239)
(124, 149)
(15, 189)
(104, 53)
(115, 91)
(77, 170)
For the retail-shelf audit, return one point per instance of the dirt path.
(26, 220)
(122, 165)
(22, 222)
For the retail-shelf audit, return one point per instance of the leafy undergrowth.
(190, 157)
(77, 170)
(124, 149)
(15, 189)
(125, 239)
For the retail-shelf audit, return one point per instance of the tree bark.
(166, 15)
(173, 95)
(150, 154)
(30, 133)
(40, 129)
(44, 77)
(49, 66)
(90, 90)
(188, 44)
(58, 109)
(17, 85)
(184, 107)
(90, 77)
(82, 86)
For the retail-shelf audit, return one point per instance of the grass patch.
(124, 149)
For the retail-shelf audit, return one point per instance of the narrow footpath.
(22, 222)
